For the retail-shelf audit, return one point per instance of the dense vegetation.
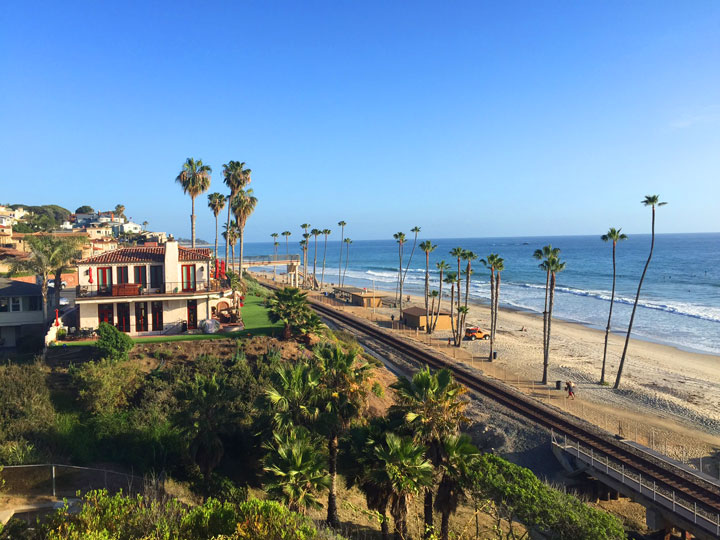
(277, 415)
(44, 218)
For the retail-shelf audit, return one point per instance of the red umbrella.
(57, 321)
(222, 269)
(216, 269)
(90, 274)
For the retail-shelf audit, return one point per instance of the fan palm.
(415, 230)
(613, 235)
(341, 224)
(451, 279)
(216, 202)
(499, 267)
(315, 233)
(194, 178)
(306, 236)
(290, 307)
(286, 234)
(404, 468)
(343, 379)
(235, 177)
(400, 239)
(274, 236)
(652, 201)
(543, 254)
(427, 247)
(553, 265)
(296, 470)
(468, 256)
(327, 233)
(442, 267)
(433, 408)
(230, 234)
(347, 257)
(293, 396)
(458, 253)
(493, 261)
(243, 205)
(458, 456)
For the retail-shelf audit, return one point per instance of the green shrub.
(61, 334)
(106, 385)
(163, 355)
(19, 452)
(112, 343)
(24, 402)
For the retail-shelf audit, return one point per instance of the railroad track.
(664, 474)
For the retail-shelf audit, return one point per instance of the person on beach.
(570, 387)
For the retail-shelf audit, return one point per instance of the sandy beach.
(662, 386)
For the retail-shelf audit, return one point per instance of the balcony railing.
(137, 289)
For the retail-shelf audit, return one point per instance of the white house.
(20, 311)
(158, 289)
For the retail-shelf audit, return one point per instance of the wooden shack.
(414, 317)
(366, 299)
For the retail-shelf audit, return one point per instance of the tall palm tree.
(315, 233)
(120, 210)
(400, 239)
(427, 247)
(146, 223)
(552, 265)
(432, 406)
(458, 253)
(292, 397)
(230, 234)
(296, 470)
(544, 254)
(274, 236)
(499, 267)
(306, 236)
(613, 235)
(442, 266)
(467, 256)
(415, 230)
(652, 201)
(492, 261)
(194, 178)
(303, 248)
(326, 233)
(216, 202)
(341, 224)
(343, 379)
(459, 455)
(451, 279)
(243, 205)
(403, 466)
(235, 177)
(286, 234)
(347, 257)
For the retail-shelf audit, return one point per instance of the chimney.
(172, 263)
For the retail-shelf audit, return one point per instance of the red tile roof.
(146, 254)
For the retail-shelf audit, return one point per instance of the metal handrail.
(119, 290)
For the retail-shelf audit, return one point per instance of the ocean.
(679, 304)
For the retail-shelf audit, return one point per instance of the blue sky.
(466, 118)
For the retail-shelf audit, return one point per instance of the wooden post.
(53, 481)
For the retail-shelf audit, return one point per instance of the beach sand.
(667, 396)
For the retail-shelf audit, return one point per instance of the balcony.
(136, 289)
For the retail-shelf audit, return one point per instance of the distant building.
(414, 317)
(20, 311)
(148, 290)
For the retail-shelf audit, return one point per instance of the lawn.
(254, 316)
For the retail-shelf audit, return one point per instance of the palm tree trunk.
(287, 246)
(637, 299)
(459, 294)
(227, 232)
(342, 238)
(467, 289)
(497, 302)
(347, 257)
(545, 325)
(216, 236)
(384, 528)
(452, 304)
(58, 287)
(192, 222)
(428, 513)
(607, 329)
(43, 292)
(332, 515)
(492, 312)
(549, 324)
(400, 280)
(445, 526)
(314, 264)
(427, 292)
(322, 278)
(437, 314)
(242, 248)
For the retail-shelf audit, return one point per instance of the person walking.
(570, 387)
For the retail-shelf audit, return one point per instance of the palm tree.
(458, 456)
(286, 234)
(292, 396)
(499, 267)
(315, 233)
(146, 223)
(451, 279)
(492, 262)
(235, 177)
(403, 466)
(341, 224)
(433, 295)
(296, 470)
(347, 258)
(458, 254)
(230, 234)
(468, 256)
(216, 202)
(327, 233)
(400, 239)
(194, 178)
(544, 254)
(652, 201)
(243, 205)
(427, 247)
(415, 230)
(432, 406)
(49, 255)
(120, 210)
(615, 236)
(553, 265)
(274, 236)
(343, 379)
(442, 266)
(290, 307)
(306, 236)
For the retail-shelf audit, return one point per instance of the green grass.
(254, 316)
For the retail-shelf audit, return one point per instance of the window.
(105, 313)
(15, 304)
(122, 274)
(4, 305)
(156, 277)
(35, 303)
(192, 314)
(141, 320)
(141, 275)
(157, 316)
(104, 277)
(188, 277)
(123, 317)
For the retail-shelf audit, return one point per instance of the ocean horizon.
(679, 303)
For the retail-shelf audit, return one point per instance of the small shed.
(414, 317)
(366, 298)
(345, 293)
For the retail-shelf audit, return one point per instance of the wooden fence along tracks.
(688, 489)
